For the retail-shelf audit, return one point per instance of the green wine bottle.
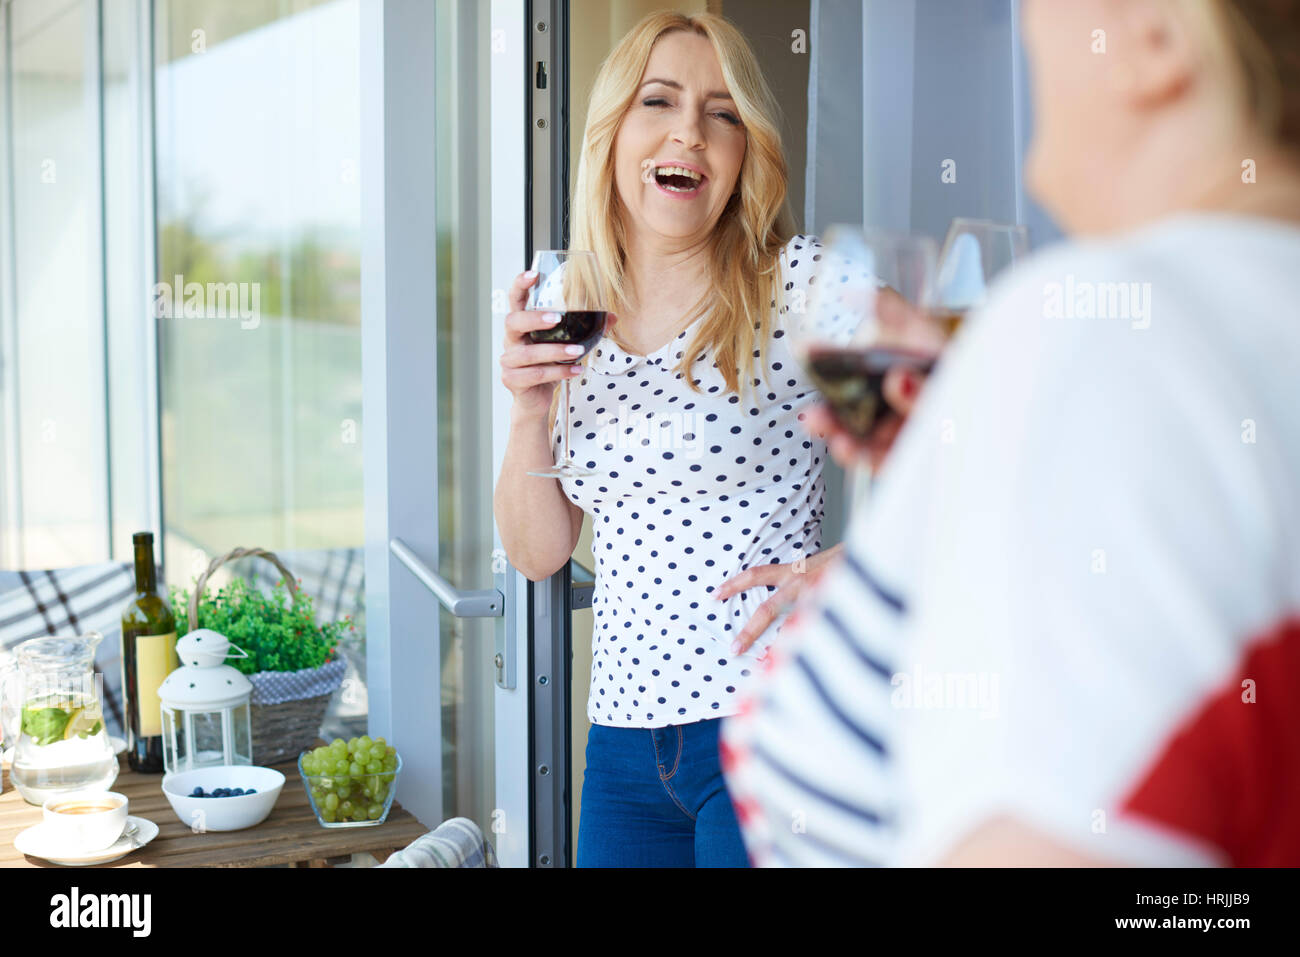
(148, 656)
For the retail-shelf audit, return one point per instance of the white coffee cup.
(86, 820)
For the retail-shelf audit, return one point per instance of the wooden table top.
(290, 835)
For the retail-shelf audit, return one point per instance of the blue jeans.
(654, 797)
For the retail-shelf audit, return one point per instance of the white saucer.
(34, 841)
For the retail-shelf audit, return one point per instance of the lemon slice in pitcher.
(82, 723)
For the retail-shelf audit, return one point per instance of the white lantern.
(206, 716)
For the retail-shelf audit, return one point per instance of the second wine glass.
(974, 252)
(568, 283)
(856, 327)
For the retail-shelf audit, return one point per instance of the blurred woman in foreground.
(1067, 629)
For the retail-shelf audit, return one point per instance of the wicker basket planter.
(288, 707)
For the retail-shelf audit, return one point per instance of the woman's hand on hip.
(789, 580)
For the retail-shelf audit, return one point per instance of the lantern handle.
(242, 652)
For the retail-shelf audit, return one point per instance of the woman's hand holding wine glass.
(557, 315)
(530, 369)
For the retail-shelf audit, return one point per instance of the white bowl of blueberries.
(226, 798)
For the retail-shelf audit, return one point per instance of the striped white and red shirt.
(1074, 597)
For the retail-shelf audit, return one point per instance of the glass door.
(432, 608)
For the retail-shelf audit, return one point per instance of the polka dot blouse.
(695, 488)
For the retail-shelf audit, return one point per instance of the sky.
(262, 131)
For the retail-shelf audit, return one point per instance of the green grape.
(365, 741)
(344, 791)
(379, 743)
(375, 812)
(337, 745)
(341, 766)
(331, 802)
(390, 751)
(374, 767)
(318, 792)
(359, 814)
(328, 816)
(354, 769)
(352, 743)
(346, 808)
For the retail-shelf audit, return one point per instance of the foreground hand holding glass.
(881, 313)
(865, 319)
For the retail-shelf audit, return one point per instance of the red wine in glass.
(852, 381)
(583, 327)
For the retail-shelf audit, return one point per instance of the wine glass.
(568, 282)
(974, 252)
(852, 333)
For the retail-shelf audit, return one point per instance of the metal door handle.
(485, 603)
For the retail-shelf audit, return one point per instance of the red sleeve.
(1230, 775)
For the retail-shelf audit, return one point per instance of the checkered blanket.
(74, 601)
(454, 843)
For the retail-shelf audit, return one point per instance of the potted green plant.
(294, 662)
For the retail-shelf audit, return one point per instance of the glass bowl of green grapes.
(351, 783)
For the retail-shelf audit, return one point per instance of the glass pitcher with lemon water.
(52, 704)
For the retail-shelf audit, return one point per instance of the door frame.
(529, 201)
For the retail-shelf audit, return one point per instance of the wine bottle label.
(155, 659)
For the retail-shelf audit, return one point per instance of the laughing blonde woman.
(709, 494)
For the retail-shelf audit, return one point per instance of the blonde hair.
(744, 261)
(1263, 37)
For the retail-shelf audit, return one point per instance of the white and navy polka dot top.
(694, 488)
